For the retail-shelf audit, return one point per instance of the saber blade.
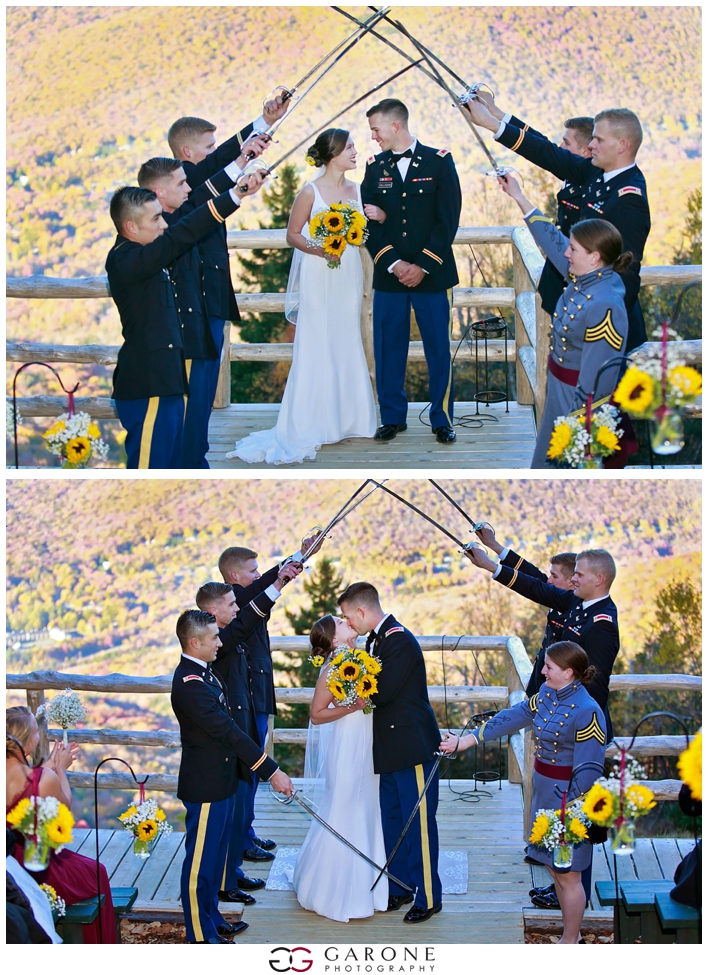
(476, 525)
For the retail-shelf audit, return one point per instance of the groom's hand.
(411, 276)
(282, 783)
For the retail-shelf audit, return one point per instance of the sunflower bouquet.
(352, 674)
(573, 445)
(46, 825)
(64, 709)
(146, 821)
(659, 382)
(336, 227)
(75, 438)
(618, 800)
(559, 830)
(57, 904)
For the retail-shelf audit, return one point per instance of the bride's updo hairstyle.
(569, 656)
(325, 147)
(322, 636)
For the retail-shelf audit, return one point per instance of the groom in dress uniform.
(215, 755)
(406, 737)
(414, 269)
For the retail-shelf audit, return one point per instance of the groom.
(405, 737)
(419, 193)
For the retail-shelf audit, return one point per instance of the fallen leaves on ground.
(152, 933)
(552, 939)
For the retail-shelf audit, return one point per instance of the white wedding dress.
(328, 395)
(329, 878)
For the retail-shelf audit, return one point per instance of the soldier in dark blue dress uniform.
(406, 738)
(215, 755)
(417, 191)
(150, 380)
(612, 186)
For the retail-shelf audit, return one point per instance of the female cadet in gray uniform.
(590, 321)
(569, 731)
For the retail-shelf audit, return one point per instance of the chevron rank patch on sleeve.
(605, 330)
(629, 189)
(533, 703)
(593, 730)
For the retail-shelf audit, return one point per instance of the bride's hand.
(372, 212)
(358, 705)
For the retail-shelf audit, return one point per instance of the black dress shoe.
(236, 896)
(398, 900)
(535, 891)
(548, 902)
(251, 883)
(257, 855)
(417, 915)
(264, 844)
(389, 430)
(444, 434)
(229, 930)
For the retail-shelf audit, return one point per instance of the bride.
(328, 395)
(329, 878)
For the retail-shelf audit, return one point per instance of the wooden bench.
(123, 899)
(634, 911)
(679, 920)
(70, 927)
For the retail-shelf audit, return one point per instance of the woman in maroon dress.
(73, 876)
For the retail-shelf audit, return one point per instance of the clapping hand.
(62, 756)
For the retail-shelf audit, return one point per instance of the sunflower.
(333, 221)
(372, 666)
(560, 438)
(16, 815)
(334, 246)
(577, 828)
(317, 660)
(338, 206)
(59, 829)
(310, 161)
(337, 689)
(687, 380)
(690, 767)
(78, 450)
(338, 659)
(606, 438)
(315, 224)
(358, 220)
(635, 391)
(355, 236)
(641, 796)
(599, 804)
(55, 429)
(93, 431)
(349, 670)
(128, 813)
(147, 830)
(539, 829)
(159, 815)
(366, 686)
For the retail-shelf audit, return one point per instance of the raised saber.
(346, 509)
(342, 839)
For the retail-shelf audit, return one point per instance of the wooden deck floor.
(493, 911)
(507, 443)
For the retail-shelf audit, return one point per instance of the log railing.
(518, 671)
(529, 350)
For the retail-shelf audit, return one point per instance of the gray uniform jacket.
(568, 731)
(589, 327)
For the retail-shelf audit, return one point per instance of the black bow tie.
(369, 640)
(408, 154)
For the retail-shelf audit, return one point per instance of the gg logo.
(287, 962)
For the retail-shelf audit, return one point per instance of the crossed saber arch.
(321, 533)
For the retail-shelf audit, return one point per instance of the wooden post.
(367, 314)
(544, 326)
(516, 691)
(223, 389)
(34, 700)
(522, 282)
(270, 747)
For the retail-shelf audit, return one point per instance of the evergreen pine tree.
(266, 271)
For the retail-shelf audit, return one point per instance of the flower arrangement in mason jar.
(618, 800)
(146, 821)
(46, 825)
(582, 440)
(76, 439)
(559, 830)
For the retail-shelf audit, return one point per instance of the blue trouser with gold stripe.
(392, 329)
(416, 862)
(237, 836)
(262, 729)
(208, 825)
(203, 377)
(154, 429)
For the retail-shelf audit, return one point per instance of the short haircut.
(566, 561)
(234, 558)
(583, 125)
(392, 108)
(185, 129)
(360, 594)
(155, 169)
(625, 125)
(126, 204)
(601, 562)
(211, 592)
(193, 622)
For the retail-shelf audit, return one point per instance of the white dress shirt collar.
(195, 660)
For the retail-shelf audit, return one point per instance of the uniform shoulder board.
(629, 189)
(533, 703)
(192, 677)
(394, 629)
(605, 330)
(370, 160)
(443, 152)
(593, 730)
(602, 616)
